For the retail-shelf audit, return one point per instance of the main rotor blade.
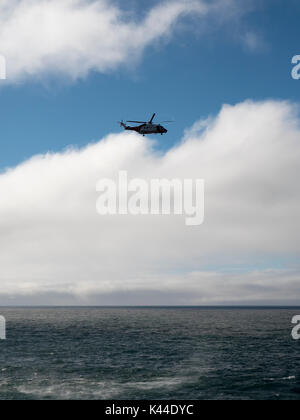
(138, 122)
(152, 118)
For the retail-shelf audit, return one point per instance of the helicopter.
(146, 127)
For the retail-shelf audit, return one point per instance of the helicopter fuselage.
(147, 129)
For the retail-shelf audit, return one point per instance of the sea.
(149, 354)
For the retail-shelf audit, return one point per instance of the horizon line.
(157, 306)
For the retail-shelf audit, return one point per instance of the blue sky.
(185, 78)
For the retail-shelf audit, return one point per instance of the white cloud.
(53, 241)
(73, 37)
(254, 42)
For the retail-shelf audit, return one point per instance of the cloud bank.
(74, 37)
(55, 245)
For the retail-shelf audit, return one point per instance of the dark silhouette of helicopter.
(146, 127)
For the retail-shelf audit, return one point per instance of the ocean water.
(149, 353)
